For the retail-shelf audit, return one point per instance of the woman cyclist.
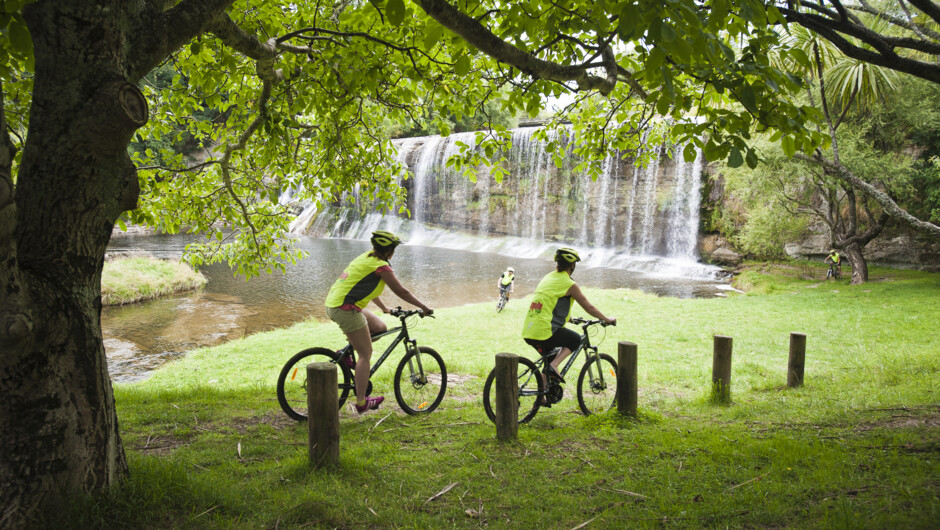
(363, 281)
(544, 327)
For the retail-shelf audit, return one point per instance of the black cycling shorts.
(563, 338)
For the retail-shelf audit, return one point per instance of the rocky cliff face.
(895, 247)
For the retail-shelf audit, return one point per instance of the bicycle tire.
(531, 390)
(600, 392)
(501, 304)
(292, 381)
(422, 392)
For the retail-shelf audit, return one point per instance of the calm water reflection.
(141, 337)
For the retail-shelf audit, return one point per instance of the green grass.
(129, 280)
(856, 447)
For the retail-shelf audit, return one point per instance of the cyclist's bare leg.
(376, 325)
(361, 341)
(556, 362)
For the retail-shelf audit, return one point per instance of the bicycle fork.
(414, 358)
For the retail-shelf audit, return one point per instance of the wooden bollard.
(721, 369)
(626, 379)
(797, 360)
(507, 396)
(322, 414)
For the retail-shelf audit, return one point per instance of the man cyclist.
(544, 327)
(834, 259)
(506, 282)
(363, 281)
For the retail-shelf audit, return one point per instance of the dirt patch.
(905, 418)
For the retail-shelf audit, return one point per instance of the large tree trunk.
(57, 415)
(857, 261)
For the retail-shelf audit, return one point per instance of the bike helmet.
(567, 254)
(383, 239)
(510, 269)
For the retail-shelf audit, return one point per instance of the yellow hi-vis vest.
(506, 278)
(358, 284)
(550, 308)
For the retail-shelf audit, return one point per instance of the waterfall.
(630, 215)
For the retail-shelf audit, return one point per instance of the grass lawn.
(857, 447)
(128, 280)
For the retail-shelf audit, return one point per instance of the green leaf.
(751, 159)
(735, 159)
(195, 48)
(462, 66)
(689, 153)
(19, 37)
(432, 35)
(395, 11)
(788, 145)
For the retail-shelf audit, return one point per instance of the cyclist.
(544, 327)
(363, 281)
(506, 282)
(834, 259)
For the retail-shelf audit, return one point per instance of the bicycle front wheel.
(420, 381)
(531, 390)
(292, 382)
(501, 304)
(597, 384)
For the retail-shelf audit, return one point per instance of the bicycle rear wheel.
(531, 390)
(292, 382)
(597, 384)
(420, 381)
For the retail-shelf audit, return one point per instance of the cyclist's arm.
(575, 292)
(377, 301)
(392, 281)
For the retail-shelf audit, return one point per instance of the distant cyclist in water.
(544, 327)
(363, 281)
(506, 282)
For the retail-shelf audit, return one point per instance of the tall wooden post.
(626, 379)
(721, 369)
(507, 396)
(797, 360)
(322, 414)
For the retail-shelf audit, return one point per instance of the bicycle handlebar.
(403, 313)
(585, 322)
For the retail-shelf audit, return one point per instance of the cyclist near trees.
(835, 260)
(363, 281)
(544, 327)
(506, 282)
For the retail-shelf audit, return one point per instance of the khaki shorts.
(347, 319)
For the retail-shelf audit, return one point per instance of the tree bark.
(853, 252)
(57, 415)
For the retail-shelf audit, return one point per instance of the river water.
(141, 337)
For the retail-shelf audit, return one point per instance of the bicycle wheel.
(501, 304)
(597, 384)
(420, 381)
(292, 382)
(531, 389)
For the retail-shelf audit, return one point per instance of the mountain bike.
(420, 379)
(834, 271)
(503, 299)
(597, 381)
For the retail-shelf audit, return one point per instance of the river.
(141, 337)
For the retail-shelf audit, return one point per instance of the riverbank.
(856, 447)
(134, 279)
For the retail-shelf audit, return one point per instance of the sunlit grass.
(129, 280)
(856, 447)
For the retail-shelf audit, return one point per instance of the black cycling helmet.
(567, 255)
(384, 240)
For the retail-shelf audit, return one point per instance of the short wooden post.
(626, 379)
(507, 396)
(797, 360)
(322, 414)
(721, 369)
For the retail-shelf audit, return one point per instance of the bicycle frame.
(584, 345)
(402, 330)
